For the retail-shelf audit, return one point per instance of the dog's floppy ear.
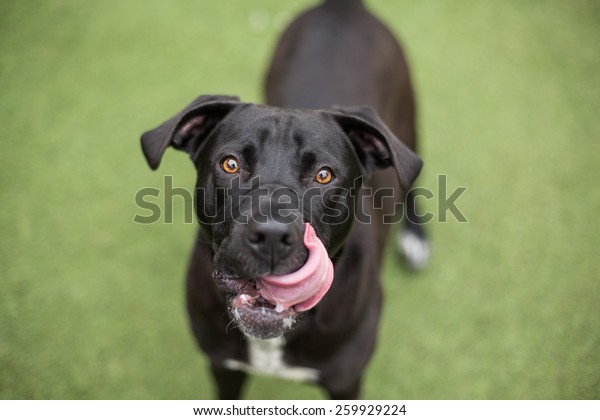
(186, 129)
(376, 146)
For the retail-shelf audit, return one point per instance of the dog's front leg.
(351, 392)
(229, 382)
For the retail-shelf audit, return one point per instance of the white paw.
(415, 250)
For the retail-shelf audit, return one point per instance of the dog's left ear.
(376, 146)
(186, 129)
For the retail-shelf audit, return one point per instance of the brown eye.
(324, 176)
(230, 165)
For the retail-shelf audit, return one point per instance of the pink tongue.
(304, 288)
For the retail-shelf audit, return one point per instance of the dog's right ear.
(187, 129)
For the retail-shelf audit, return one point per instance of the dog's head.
(275, 195)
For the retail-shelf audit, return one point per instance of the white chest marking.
(266, 357)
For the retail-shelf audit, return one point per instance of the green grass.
(92, 305)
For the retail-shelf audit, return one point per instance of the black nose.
(272, 239)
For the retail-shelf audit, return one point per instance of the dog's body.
(335, 54)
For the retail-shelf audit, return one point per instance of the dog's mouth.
(268, 306)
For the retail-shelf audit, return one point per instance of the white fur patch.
(266, 357)
(415, 249)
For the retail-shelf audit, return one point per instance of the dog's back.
(340, 54)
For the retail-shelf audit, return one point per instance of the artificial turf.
(92, 304)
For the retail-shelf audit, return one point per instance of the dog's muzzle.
(268, 306)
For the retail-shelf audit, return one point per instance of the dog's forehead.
(268, 126)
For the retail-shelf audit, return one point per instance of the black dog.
(281, 279)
